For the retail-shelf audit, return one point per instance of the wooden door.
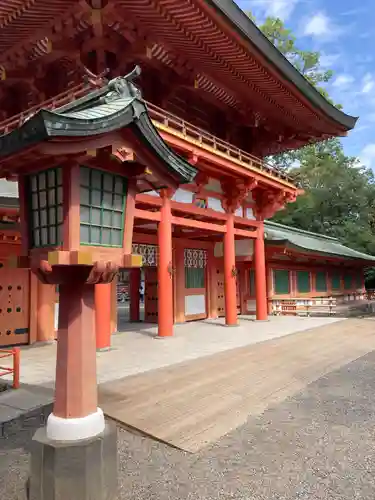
(238, 292)
(221, 291)
(151, 294)
(14, 306)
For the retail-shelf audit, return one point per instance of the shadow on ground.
(317, 445)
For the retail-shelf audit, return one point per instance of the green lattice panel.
(303, 282)
(348, 281)
(102, 207)
(336, 281)
(252, 283)
(321, 281)
(45, 199)
(281, 281)
(194, 277)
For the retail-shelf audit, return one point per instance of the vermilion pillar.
(165, 288)
(135, 283)
(260, 276)
(230, 287)
(46, 313)
(76, 391)
(103, 303)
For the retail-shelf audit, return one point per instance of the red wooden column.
(230, 289)
(165, 284)
(260, 276)
(179, 313)
(75, 413)
(135, 283)
(103, 303)
(46, 313)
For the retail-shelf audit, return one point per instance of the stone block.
(25, 399)
(79, 470)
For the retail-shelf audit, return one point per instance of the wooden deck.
(192, 404)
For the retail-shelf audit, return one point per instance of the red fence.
(4, 370)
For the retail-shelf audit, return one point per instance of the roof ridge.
(302, 231)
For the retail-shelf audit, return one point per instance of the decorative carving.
(123, 86)
(171, 269)
(235, 192)
(201, 180)
(267, 202)
(149, 254)
(195, 257)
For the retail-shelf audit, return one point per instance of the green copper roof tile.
(310, 242)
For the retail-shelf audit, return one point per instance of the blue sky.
(344, 32)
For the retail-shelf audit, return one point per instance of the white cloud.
(367, 155)
(320, 26)
(368, 83)
(317, 25)
(343, 81)
(328, 60)
(274, 8)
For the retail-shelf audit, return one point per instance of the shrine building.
(219, 96)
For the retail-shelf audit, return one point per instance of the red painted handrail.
(4, 370)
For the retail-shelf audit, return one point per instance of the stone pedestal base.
(76, 470)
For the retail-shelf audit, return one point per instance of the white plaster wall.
(8, 188)
(195, 304)
(215, 204)
(213, 185)
(243, 248)
(249, 214)
(183, 196)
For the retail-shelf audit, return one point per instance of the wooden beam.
(208, 226)
(146, 215)
(245, 234)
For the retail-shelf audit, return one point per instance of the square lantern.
(73, 207)
(102, 207)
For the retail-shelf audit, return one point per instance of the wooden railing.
(15, 369)
(325, 306)
(53, 103)
(204, 138)
(162, 117)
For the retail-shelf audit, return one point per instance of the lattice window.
(281, 278)
(321, 281)
(195, 258)
(45, 196)
(195, 268)
(336, 281)
(102, 200)
(303, 282)
(252, 283)
(348, 281)
(149, 254)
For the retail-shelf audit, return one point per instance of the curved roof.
(310, 242)
(245, 26)
(115, 106)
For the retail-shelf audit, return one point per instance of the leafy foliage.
(307, 62)
(339, 198)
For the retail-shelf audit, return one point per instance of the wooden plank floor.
(194, 403)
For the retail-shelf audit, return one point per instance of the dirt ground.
(317, 445)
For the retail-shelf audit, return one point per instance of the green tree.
(339, 197)
(307, 62)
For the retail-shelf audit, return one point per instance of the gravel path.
(317, 445)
